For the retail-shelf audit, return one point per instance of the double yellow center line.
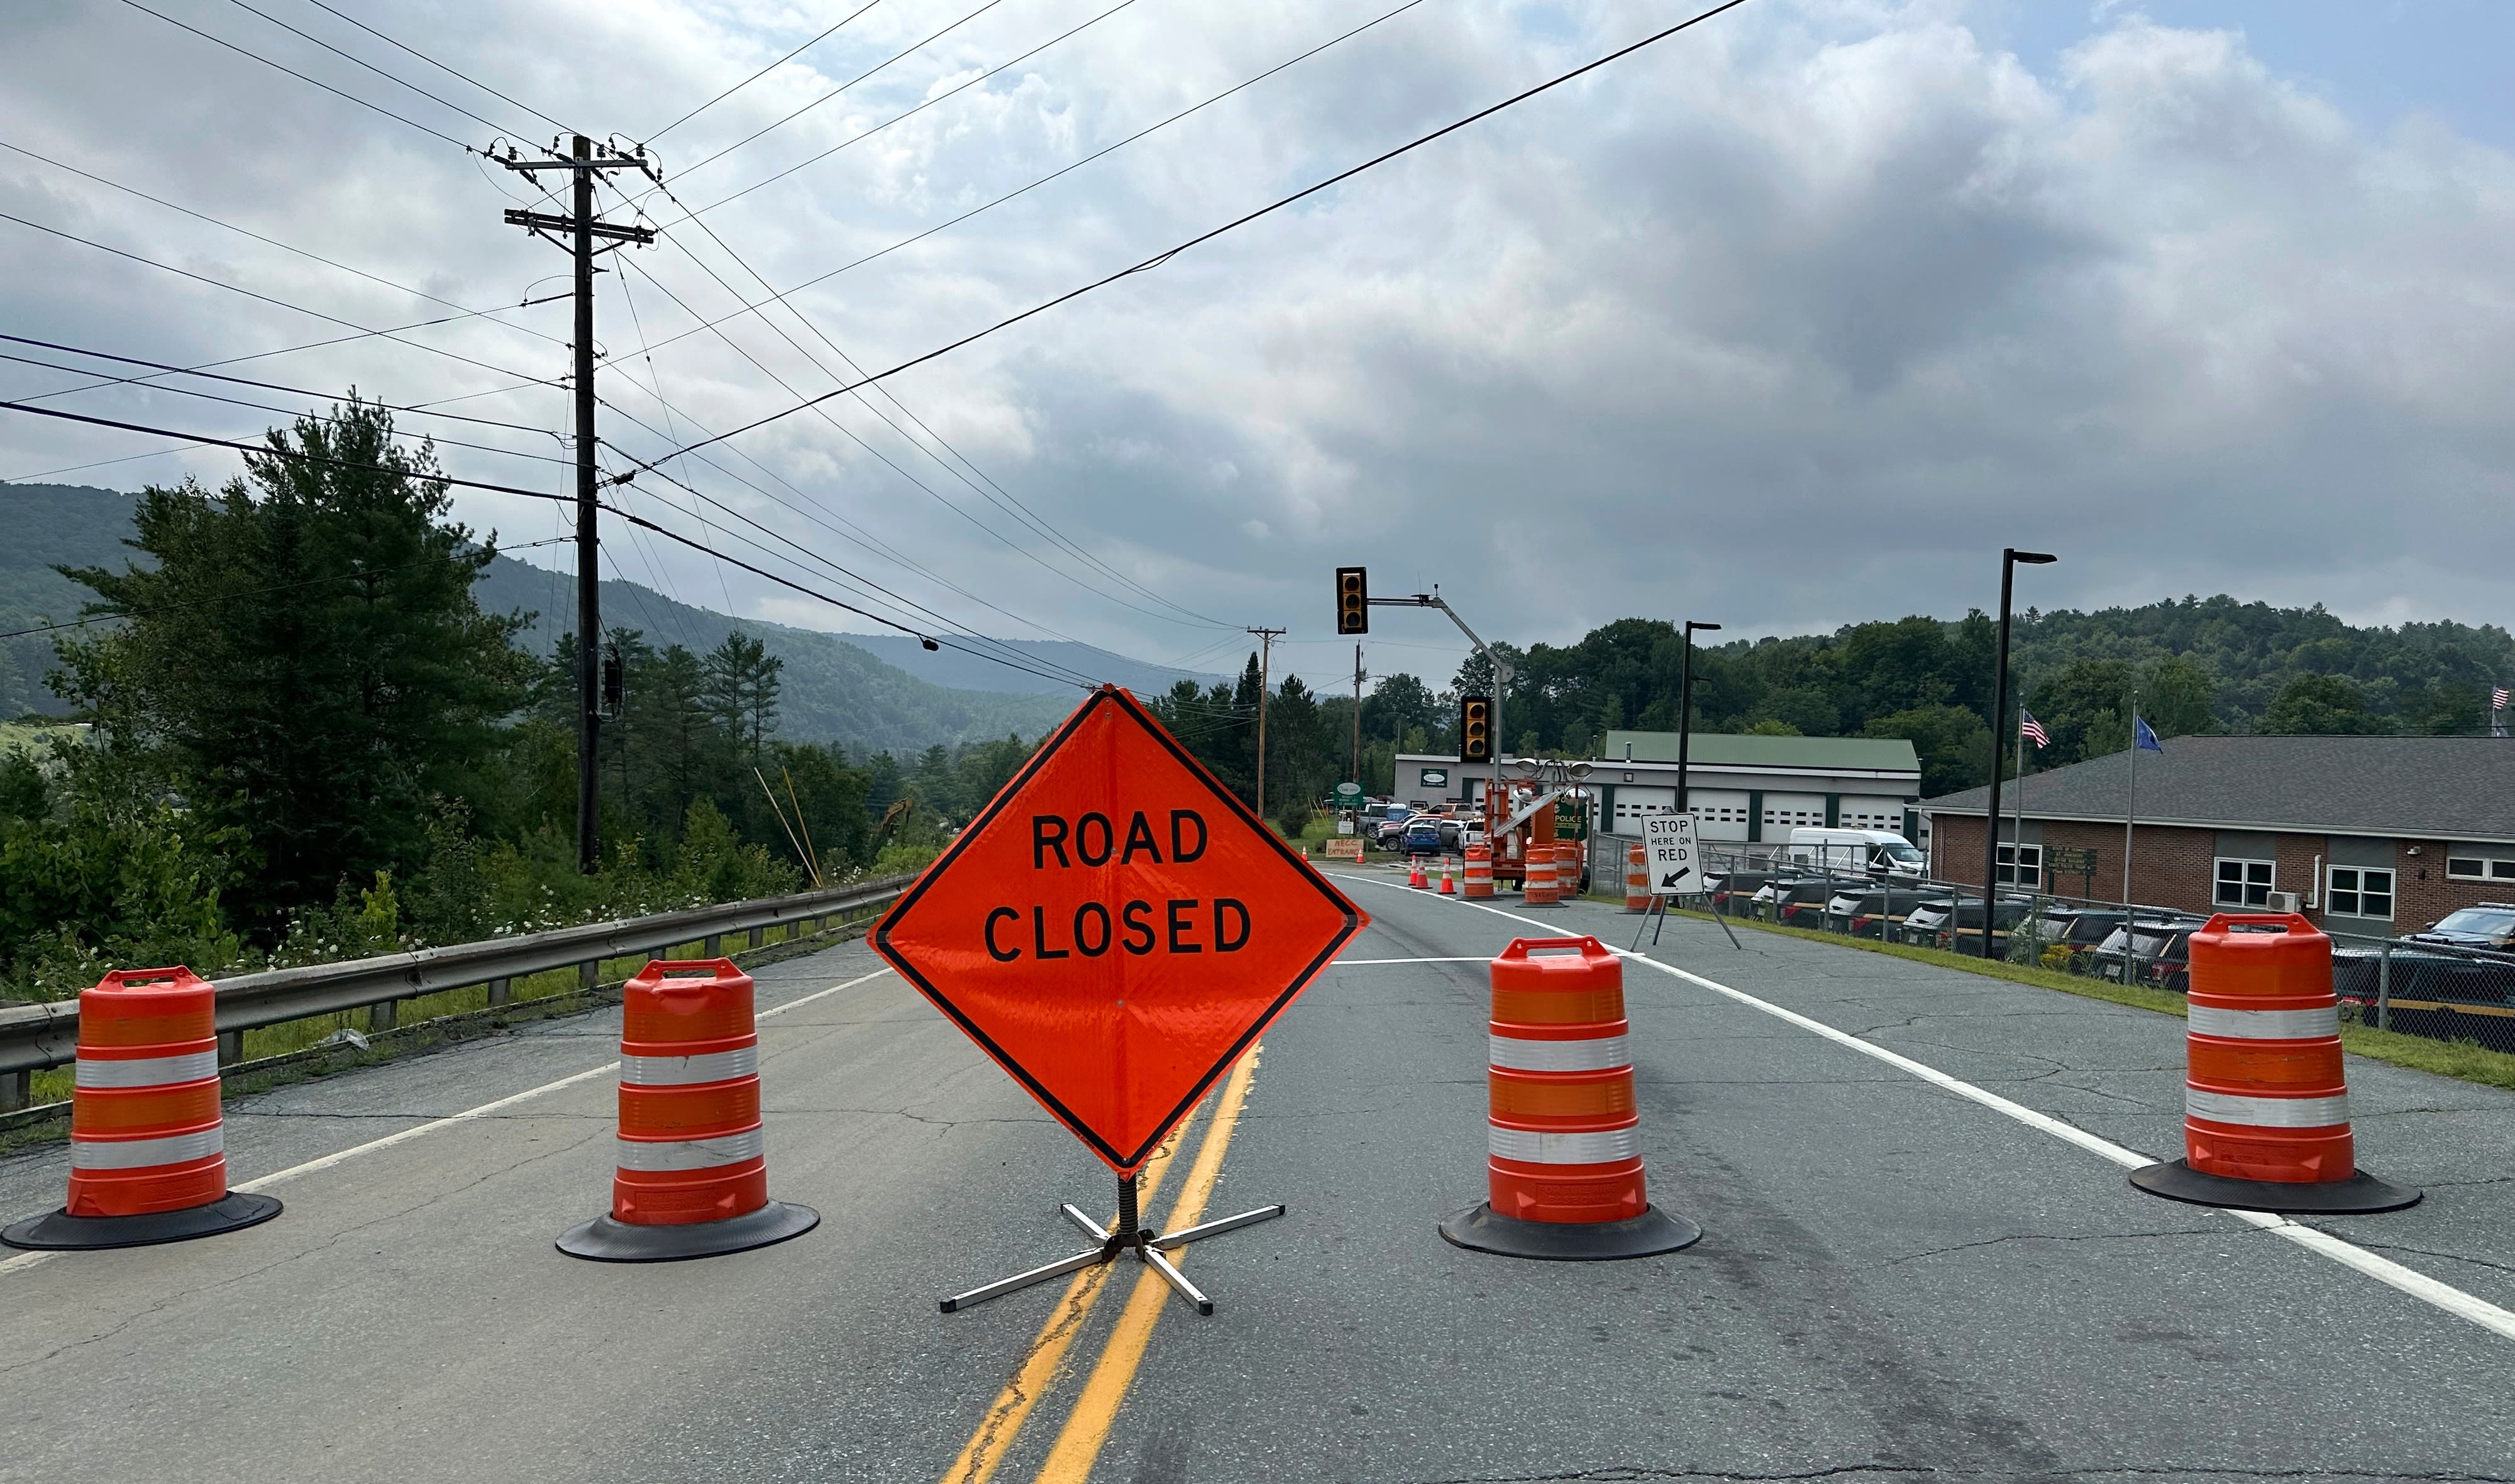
(1087, 1427)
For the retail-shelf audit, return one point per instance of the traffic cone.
(1564, 1166)
(2265, 1096)
(693, 1175)
(1415, 872)
(1449, 887)
(148, 1156)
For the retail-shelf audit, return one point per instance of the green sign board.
(1349, 795)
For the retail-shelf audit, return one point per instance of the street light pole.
(1685, 709)
(2009, 558)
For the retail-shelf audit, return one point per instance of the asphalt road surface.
(1922, 1261)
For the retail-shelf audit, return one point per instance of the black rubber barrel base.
(63, 1232)
(1647, 1235)
(2359, 1194)
(604, 1240)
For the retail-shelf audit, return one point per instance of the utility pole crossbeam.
(1501, 667)
(576, 233)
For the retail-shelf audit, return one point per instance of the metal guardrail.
(34, 1037)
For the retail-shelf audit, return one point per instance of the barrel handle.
(2287, 922)
(1590, 947)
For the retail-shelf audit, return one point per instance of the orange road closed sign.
(1116, 928)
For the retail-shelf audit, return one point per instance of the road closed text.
(1137, 926)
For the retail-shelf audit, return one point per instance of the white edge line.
(326, 1162)
(2409, 1280)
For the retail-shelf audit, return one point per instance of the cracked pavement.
(1894, 1284)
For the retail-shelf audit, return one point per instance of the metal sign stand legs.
(1129, 1236)
(1658, 920)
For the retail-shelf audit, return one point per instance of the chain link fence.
(2419, 988)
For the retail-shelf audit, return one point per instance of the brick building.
(2370, 836)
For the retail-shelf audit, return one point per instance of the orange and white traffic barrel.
(2265, 1094)
(1637, 892)
(692, 1166)
(1563, 1167)
(1537, 875)
(148, 1156)
(1478, 883)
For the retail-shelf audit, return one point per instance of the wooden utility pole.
(575, 232)
(1265, 662)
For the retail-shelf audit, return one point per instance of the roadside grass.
(2464, 1060)
(425, 1022)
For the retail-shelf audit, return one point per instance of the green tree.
(1954, 744)
(302, 660)
(741, 688)
(2319, 705)
(2175, 698)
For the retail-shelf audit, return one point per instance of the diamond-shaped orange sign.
(1116, 928)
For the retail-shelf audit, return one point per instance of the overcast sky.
(1791, 320)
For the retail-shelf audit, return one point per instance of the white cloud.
(1792, 320)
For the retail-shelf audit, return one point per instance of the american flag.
(2497, 700)
(2033, 730)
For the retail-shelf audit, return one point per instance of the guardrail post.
(758, 936)
(2385, 987)
(589, 974)
(713, 947)
(17, 1089)
(501, 992)
(380, 1015)
(231, 1047)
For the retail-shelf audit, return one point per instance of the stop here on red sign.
(1115, 928)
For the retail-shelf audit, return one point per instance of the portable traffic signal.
(1353, 601)
(1475, 729)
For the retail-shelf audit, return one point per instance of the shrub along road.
(1897, 1280)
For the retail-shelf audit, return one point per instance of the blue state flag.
(2146, 737)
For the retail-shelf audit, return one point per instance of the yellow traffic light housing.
(1475, 729)
(1353, 601)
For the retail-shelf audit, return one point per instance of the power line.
(442, 102)
(534, 494)
(442, 67)
(929, 490)
(1158, 259)
(241, 381)
(268, 241)
(1008, 502)
(945, 225)
(922, 106)
(212, 396)
(833, 92)
(266, 297)
(754, 77)
(302, 77)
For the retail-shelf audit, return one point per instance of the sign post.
(1116, 930)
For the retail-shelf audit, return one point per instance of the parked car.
(1734, 890)
(1926, 925)
(2152, 951)
(1878, 913)
(1421, 836)
(1393, 826)
(2490, 925)
(1800, 903)
(2077, 932)
(2006, 915)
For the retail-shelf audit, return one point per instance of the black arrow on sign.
(1675, 876)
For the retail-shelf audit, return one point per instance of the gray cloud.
(1792, 321)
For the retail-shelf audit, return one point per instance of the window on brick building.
(2020, 866)
(2361, 891)
(2480, 863)
(2243, 882)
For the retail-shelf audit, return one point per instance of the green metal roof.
(1886, 755)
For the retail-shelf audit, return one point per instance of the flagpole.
(2130, 802)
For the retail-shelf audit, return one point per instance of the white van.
(1880, 853)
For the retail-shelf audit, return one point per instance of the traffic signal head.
(1353, 601)
(1475, 729)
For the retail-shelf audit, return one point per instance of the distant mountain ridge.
(851, 690)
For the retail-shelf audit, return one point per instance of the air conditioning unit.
(2281, 901)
